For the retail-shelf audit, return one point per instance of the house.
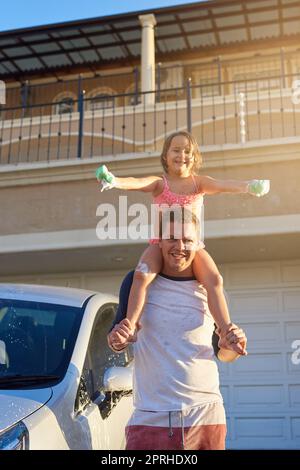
(89, 92)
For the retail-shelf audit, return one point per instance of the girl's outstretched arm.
(145, 184)
(210, 185)
(148, 184)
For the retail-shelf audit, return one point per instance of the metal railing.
(245, 110)
(27, 93)
(168, 77)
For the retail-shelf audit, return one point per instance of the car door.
(102, 415)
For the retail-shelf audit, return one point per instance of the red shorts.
(200, 428)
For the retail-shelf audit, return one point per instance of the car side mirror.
(117, 379)
(117, 382)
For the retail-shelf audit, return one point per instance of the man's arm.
(119, 329)
(123, 298)
(215, 342)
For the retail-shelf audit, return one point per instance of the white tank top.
(174, 358)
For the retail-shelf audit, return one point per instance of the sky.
(16, 14)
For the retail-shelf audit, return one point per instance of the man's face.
(180, 246)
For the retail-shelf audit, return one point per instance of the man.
(177, 400)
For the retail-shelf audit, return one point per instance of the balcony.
(217, 112)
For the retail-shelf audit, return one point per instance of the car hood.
(16, 405)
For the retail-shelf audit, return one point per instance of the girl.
(181, 185)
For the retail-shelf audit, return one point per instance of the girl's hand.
(233, 338)
(258, 188)
(106, 178)
(122, 335)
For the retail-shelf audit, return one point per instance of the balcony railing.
(168, 76)
(241, 111)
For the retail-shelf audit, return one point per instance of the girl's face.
(180, 158)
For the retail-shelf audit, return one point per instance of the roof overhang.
(116, 40)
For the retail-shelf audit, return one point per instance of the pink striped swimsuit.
(167, 197)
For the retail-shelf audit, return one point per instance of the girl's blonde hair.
(193, 143)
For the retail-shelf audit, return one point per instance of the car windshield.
(36, 341)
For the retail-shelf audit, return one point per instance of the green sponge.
(108, 180)
(259, 188)
(102, 173)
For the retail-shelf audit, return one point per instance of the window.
(64, 103)
(170, 77)
(101, 101)
(205, 82)
(256, 73)
(101, 98)
(262, 80)
(37, 338)
(99, 357)
(132, 97)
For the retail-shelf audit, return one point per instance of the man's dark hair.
(179, 214)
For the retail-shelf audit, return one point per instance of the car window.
(99, 356)
(37, 338)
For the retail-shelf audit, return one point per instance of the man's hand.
(234, 339)
(122, 335)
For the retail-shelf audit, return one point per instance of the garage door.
(262, 391)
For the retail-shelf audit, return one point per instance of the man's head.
(178, 241)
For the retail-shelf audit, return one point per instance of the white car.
(61, 387)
